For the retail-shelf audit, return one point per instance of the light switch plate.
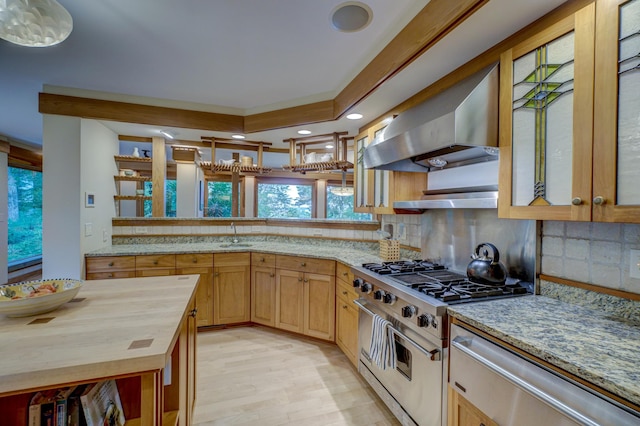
(634, 264)
(88, 229)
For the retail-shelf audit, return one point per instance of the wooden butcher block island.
(139, 331)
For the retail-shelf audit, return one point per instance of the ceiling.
(238, 57)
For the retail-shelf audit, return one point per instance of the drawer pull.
(272, 275)
(110, 263)
(155, 262)
(194, 312)
(345, 274)
(262, 259)
(299, 279)
(306, 280)
(110, 275)
(303, 264)
(195, 260)
(344, 292)
(217, 274)
(344, 306)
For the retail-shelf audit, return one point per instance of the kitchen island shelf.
(132, 330)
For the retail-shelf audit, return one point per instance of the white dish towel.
(383, 344)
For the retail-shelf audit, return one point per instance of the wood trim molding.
(4, 147)
(304, 114)
(591, 287)
(298, 223)
(136, 113)
(23, 158)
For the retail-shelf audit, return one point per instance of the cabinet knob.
(599, 200)
(299, 279)
(155, 262)
(110, 275)
(576, 201)
(303, 264)
(110, 263)
(195, 260)
(344, 306)
(272, 274)
(344, 292)
(193, 312)
(217, 274)
(306, 280)
(262, 259)
(345, 274)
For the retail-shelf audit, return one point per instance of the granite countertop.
(316, 249)
(594, 345)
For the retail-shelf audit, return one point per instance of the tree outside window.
(281, 200)
(219, 199)
(25, 215)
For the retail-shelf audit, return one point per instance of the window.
(279, 199)
(169, 198)
(25, 215)
(218, 199)
(341, 206)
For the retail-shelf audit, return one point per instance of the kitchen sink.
(235, 245)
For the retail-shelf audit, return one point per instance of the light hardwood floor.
(260, 376)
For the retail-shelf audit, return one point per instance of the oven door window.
(403, 358)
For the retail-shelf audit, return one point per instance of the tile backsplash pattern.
(591, 252)
(412, 225)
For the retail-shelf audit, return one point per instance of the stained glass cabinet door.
(546, 111)
(616, 163)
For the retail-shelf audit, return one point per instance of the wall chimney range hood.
(456, 127)
(454, 137)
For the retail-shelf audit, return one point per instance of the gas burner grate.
(402, 266)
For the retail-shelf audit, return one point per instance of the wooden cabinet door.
(616, 193)
(462, 413)
(347, 329)
(231, 294)
(362, 178)
(192, 336)
(546, 112)
(204, 294)
(263, 295)
(290, 300)
(319, 306)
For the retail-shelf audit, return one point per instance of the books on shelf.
(101, 404)
(49, 407)
(95, 404)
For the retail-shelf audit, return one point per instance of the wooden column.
(235, 185)
(158, 177)
(292, 152)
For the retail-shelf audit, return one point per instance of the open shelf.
(132, 178)
(132, 197)
(322, 166)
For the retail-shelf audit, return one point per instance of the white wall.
(187, 188)
(97, 168)
(4, 232)
(62, 197)
(78, 159)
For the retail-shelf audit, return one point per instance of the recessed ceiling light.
(354, 116)
(351, 16)
(304, 132)
(328, 146)
(167, 134)
(238, 136)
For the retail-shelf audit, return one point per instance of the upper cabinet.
(376, 190)
(567, 143)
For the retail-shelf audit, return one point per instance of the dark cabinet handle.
(303, 264)
(110, 263)
(155, 262)
(194, 312)
(272, 275)
(262, 259)
(344, 292)
(110, 275)
(344, 306)
(299, 279)
(345, 274)
(195, 260)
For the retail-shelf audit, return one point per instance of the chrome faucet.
(235, 233)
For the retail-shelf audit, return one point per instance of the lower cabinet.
(202, 264)
(305, 296)
(462, 413)
(346, 314)
(231, 288)
(263, 289)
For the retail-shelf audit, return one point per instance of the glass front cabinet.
(376, 190)
(570, 118)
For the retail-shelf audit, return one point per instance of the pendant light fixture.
(34, 23)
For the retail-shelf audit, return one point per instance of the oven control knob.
(366, 288)
(424, 320)
(358, 282)
(378, 294)
(408, 311)
(390, 298)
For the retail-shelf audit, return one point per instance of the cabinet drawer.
(110, 275)
(232, 259)
(263, 259)
(346, 292)
(110, 263)
(156, 261)
(305, 264)
(202, 260)
(155, 272)
(343, 272)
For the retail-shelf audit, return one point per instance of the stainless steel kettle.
(486, 270)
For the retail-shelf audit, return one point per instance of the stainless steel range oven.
(413, 297)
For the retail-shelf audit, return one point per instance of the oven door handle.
(433, 355)
(462, 343)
